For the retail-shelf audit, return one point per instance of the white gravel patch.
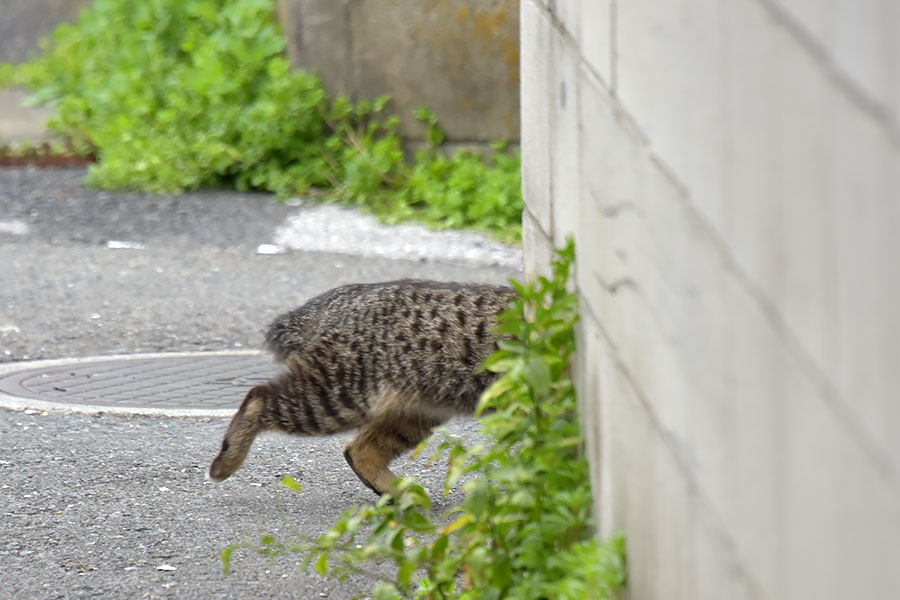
(331, 228)
(14, 227)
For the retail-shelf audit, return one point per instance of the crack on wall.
(613, 211)
(615, 285)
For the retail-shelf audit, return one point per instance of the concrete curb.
(17, 403)
(20, 123)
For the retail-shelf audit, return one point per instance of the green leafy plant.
(172, 95)
(524, 528)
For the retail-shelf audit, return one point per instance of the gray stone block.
(20, 123)
(25, 23)
(459, 58)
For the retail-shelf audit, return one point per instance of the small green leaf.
(439, 547)
(225, 557)
(321, 565)
(417, 522)
(404, 574)
(386, 591)
(537, 373)
(290, 483)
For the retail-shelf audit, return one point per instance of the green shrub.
(524, 528)
(173, 95)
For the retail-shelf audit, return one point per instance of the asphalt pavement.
(102, 506)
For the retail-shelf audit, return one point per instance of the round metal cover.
(162, 382)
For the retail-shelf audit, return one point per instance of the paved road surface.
(92, 505)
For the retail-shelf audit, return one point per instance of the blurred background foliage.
(173, 95)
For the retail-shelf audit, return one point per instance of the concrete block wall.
(731, 174)
(459, 58)
(23, 23)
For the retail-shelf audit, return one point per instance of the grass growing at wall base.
(173, 95)
(524, 528)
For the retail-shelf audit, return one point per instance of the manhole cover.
(182, 382)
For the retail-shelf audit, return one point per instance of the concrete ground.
(109, 507)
